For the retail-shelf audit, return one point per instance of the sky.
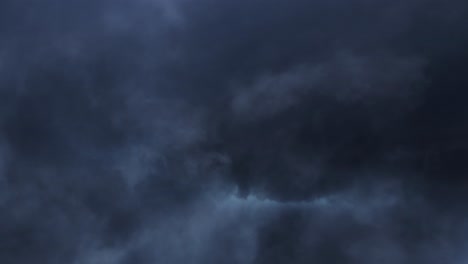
(233, 132)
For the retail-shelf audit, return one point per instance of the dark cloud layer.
(204, 131)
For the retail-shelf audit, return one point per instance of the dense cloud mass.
(248, 131)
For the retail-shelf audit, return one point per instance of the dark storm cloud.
(233, 131)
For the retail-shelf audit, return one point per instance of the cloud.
(232, 131)
(345, 78)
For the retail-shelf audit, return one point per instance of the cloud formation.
(205, 131)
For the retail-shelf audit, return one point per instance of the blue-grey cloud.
(156, 131)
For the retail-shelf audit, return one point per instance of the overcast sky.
(233, 131)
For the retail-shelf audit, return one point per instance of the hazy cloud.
(205, 131)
